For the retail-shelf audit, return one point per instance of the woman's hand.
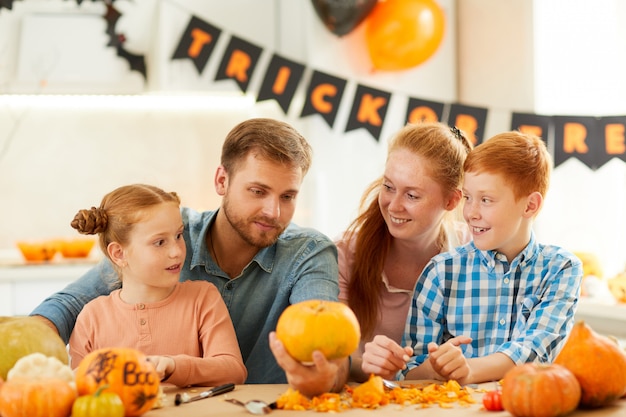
(164, 366)
(315, 379)
(385, 357)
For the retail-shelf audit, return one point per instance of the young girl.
(184, 327)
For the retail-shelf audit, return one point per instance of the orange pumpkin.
(128, 373)
(598, 363)
(540, 390)
(328, 326)
(23, 397)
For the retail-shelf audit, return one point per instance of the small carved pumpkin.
(24, 397)
(598, 363)
(128, 373)
(328, 326)
(540, 390)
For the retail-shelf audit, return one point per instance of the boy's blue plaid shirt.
(524, 309)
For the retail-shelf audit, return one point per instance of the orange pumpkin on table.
(26, 397)
(598, 363)
(126, 371)
(540, 390)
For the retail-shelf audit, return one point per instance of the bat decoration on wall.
(7, 4)
(116, 40)
(136, 62)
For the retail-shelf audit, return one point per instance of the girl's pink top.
(191, 325)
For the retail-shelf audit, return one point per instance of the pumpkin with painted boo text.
(126, 371)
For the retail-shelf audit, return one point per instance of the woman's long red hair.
(446, 150)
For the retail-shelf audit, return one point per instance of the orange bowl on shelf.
(37, 251)
(76, 248)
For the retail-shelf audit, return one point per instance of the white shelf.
(608, 319)
(23, 286)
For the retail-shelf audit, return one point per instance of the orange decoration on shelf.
(37, 251)
(402, 34)
(76, 248)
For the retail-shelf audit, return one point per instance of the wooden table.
(216, 406)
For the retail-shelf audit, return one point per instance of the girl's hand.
(164, 365)
(384, 357)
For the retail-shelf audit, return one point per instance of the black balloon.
(342, 16)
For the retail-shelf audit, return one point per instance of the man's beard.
(240, 226)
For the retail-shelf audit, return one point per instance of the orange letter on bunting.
(574, 135)
(468, 125)
(319, 93)
(614, 134)
(200, 38)
(238, 65)
(422, 114)
(531, 130)
(368, 110)
(282, 78)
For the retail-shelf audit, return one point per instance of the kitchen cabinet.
(23, 286)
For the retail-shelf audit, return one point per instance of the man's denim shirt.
(301, 265)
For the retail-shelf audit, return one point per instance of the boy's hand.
(447, 359)
(384, 357)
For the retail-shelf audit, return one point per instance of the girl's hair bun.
(90, 222)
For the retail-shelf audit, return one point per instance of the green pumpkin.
(100, 404)
(21, 336)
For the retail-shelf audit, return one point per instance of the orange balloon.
(401, 34)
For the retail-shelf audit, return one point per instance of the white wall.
(555, 57)
(56, 161)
